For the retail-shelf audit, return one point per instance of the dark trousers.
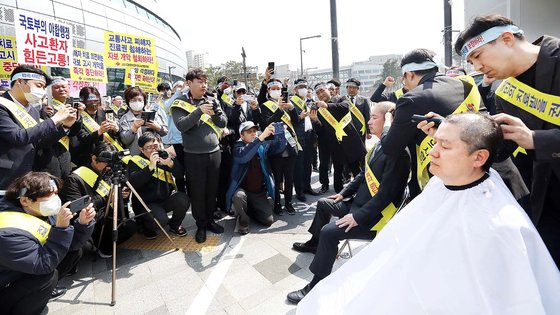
(203, 171)
(283, 170)
(324, 163)
(338, 170)
(28, 295)
(180, 159)
(225, 174)
(178, 203)
(302, 172)
(70, 261)
(254, 205)
(330, 235)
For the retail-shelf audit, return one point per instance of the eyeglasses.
(151, 147)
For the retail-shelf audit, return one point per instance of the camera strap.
(470, 104)
(90, 177)
(26, 222)
(26, 120)
(92, 126)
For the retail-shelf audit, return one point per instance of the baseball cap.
(246, 125)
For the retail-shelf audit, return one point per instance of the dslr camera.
(112, 158)
(163, 154)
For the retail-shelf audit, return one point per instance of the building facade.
(89, 20)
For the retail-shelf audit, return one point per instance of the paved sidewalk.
(248, 274)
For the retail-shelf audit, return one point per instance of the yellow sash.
(470, 104)
(90, 177)
(285, 118)
(358, 114)
(205, 118)
(225, 97)
(23, 221)
(26, 120)
(373, 186)
(338, 126)
(161, 174)
(545, 106)
(399, 93)
(92, 126)
(65, 141)
(298, 102)
(114, 108)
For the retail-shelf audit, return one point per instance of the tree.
(392, 68)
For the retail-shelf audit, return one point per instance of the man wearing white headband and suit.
(428, 91)
(529, 99)
(21, 131)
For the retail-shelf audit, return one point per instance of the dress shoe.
(304, 248)
(311, 192)
(57, 293)
(200, 236)
(215, 227)
(301, 197)
(289, 208)
(324, 189)
(296, 296)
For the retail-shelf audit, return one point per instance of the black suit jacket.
(546, 155)
(392, 174)
(19, 145)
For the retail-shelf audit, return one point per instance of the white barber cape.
(470, 251)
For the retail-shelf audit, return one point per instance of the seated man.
(463, 246)
(151, 174)
(39, 242)
(85, 181)
(252, 184)
(375, 191)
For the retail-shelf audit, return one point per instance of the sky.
(270, 30)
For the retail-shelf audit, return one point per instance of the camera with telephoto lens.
(163, 154)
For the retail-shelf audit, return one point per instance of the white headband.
(58, 80)
(488, 36)
(92, 97)
(320, 87)
(28, 76)
(274, 83)
(418, 66)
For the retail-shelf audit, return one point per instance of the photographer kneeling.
(88, 181)
(38, 243)
(151, 174)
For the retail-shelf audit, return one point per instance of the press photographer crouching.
(90, 181)
(151, 174)
(40, 242)
(252, 184)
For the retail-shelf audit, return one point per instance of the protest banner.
(88, 66)
(127, 50)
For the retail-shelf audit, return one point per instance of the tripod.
(115, 199)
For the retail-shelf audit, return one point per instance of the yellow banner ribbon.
(23, 221)
(92, 126)
(296, 100)
(338, 126)
(205, 118)
(90, 177)
(358, 114)
(162, 175)
(285, 118)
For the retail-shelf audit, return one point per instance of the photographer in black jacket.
(152, 175)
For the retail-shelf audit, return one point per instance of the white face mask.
(302, 93)
(227, 91)
(35, 94)
(50, 207)
(275, 94)
(136, 106)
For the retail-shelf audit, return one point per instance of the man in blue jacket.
(252, 184)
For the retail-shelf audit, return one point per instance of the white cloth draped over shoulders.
(471, 251)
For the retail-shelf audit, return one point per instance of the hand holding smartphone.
(79, 204)
(271, 66)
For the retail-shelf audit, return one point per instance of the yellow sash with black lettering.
(358, 114)
(338, 126)
(65, 141)
(26, 222)
(92, 126)
(285, 118)
(162, 175)
(470, 104)
(205, 118)
(399, 93)
(373, 186)
(225, 97)
(26, 120)
(296, 100)
(90, 177)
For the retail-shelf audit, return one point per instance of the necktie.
(352, 99)
(376, 151)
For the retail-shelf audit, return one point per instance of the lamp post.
(301, 50)
(170, 67)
